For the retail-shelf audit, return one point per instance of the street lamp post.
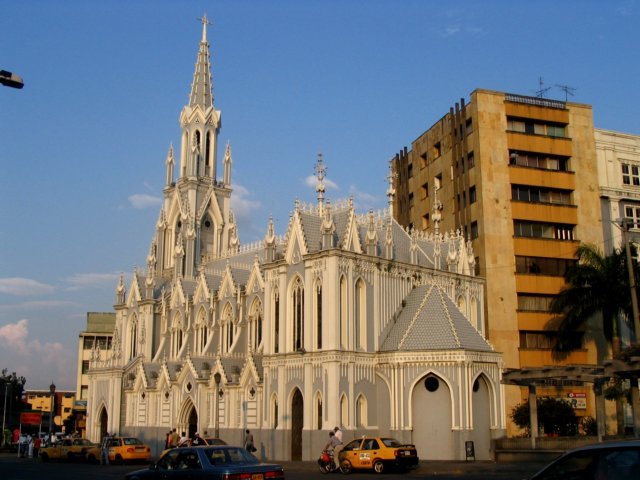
(217, 377)
(52, 389)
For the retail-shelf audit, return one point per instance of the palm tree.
(596, 286)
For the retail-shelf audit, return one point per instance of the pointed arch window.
(318, 411)
(276, 322)
(228, 329)
(342, 327)
(202, 331)
(133, 335)
(361, 315)
(255, 331)
(344, 411)
(207, 156)
(361, 412)
(177, 335)
(319, 315)
(297, 299)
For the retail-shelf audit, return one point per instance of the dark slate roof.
(311, 227)
(431, 321)
(151, 373)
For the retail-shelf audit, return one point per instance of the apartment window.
(424, 190)
(437, 150)
(630, 174)
(87, 343)
(542, 230)
(632, 216)
(85, 366)
(538, 340)
(536, 127)
(538, 160)
(410, 170)
(534, 303)
(410, 200)
(477, 266)
(472, 194)
(474, 230)
(423, 160)
(470, 160)
(468, 126)
(525, 193)
(543, 266)
(425, 221)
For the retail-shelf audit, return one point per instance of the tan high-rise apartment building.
(518, 176)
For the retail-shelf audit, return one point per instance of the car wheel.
(378, 466)
(44, 457)
(91, 458)
(345, 467)
(118, 460)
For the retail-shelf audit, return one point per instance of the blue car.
(223, 462)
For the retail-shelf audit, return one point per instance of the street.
(13, 468)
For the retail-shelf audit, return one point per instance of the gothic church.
(347, 319)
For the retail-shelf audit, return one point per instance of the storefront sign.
(578, 400)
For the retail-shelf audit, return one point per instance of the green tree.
(555, 416)
(11, 386)
(597, 286)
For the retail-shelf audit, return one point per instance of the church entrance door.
(297, 404)
(193, 422)
(104, 421)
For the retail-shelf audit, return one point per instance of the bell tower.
(195, 216)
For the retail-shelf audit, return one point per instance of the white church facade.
(347, 319)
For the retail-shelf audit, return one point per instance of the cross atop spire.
(205, 21)
(201, 88)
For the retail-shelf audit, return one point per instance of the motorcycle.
(326, 463)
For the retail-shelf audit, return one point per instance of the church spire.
(201, 88)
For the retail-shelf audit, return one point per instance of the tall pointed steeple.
(201, 89)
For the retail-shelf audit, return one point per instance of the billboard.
(30, 418)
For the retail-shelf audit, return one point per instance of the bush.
(555, 416)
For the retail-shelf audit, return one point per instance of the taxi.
(377, 454)
(128, 449)
(71, 449)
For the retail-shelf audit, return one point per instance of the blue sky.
(82, 146)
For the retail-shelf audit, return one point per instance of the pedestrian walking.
(37, 443)
(167, 440)
(104, 449)
(248, 441)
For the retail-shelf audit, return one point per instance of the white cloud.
(451, 30)
(311, 181)
(24, 287)
(140, 201)
(37, 361)
(363, 201)
(90, 280)
(243, 206)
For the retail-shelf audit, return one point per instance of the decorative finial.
(320, 170)
(205, 21)
(391, 191)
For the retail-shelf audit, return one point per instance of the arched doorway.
(192, 422)
(297, 404)
(481, 418)
(104, 421)
(431, 407)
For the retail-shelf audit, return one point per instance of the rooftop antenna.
(542, 91)
(567, 91)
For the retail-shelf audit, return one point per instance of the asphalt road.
(13, 468)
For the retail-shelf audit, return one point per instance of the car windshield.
(230, 456)
(82, 441)
(391, 442)
(132, 441)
